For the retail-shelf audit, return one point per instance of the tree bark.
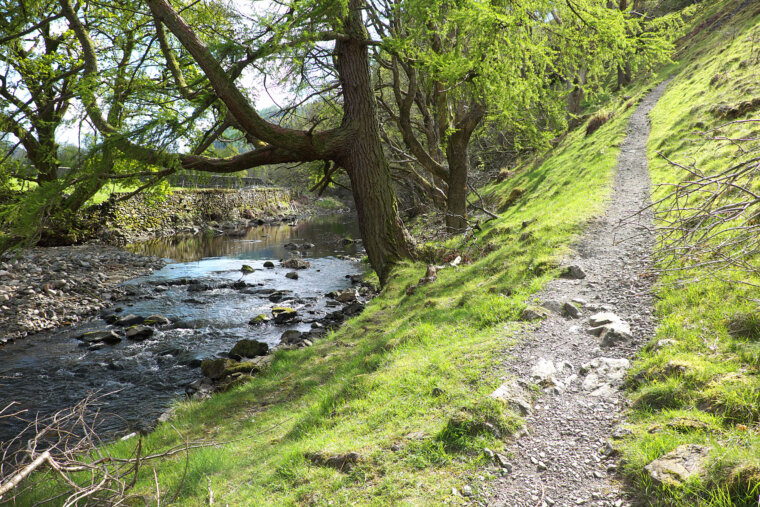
(385, 237)
(458, 154)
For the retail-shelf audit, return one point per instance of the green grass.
(406, 383)
(710, 374)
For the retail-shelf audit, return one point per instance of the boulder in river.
(129, 320)
(293, 275)
(295, 264)
(269, 264)
(246, 269)
(259, 319)
(106, 336)
(283, 314)
(156, 320)
(345, 296)
(291, 336)
(248, 348)
(139, 333)
(216, 369)
(290, 246)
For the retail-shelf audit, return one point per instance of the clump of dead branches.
(61, 460)
(710, 219)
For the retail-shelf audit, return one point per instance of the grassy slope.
(705, 389)
(369, 386)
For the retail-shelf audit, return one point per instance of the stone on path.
(603, 374)
(514, 396)
(532, 313)
(573, 272)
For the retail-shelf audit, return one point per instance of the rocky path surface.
(579, 353)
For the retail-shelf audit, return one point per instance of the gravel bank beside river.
(43, 288)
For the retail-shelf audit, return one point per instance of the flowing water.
(209, 302)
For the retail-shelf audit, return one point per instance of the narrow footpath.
(563, 457)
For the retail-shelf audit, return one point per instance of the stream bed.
(209, 302)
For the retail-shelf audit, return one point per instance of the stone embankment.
(44, 288)
(187, 211)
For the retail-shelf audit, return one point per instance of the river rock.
(139, 333)
(345, 296)
(291, 337)
(283, 314)
(292, 275)
(129, 320)
(679, 465)
(290, 246)
(259, 319)
(354, 308)
(295, 264)
(278, 296)
(105, 335)
(156, 320)
(269, 264)
(307, 246)
(216, 369)
(248, 348)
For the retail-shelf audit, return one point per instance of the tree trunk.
(385, 237)
(458, 155)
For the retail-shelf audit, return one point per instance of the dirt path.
(561, 460)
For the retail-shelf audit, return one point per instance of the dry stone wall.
(145, 214)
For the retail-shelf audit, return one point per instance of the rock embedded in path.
(571, 311)
(610, 328)
(603, 375)
(514, 396)
(679, 465)
(615, 333)
(248, 348)
(139, 333)
(573, 272)
(533, 313)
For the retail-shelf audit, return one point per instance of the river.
(51, 371)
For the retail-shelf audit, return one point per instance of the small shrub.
(512, 198)
(596, 121)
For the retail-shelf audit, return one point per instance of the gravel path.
(561, 458)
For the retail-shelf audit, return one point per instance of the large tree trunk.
(458, 154)
(382, 230)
